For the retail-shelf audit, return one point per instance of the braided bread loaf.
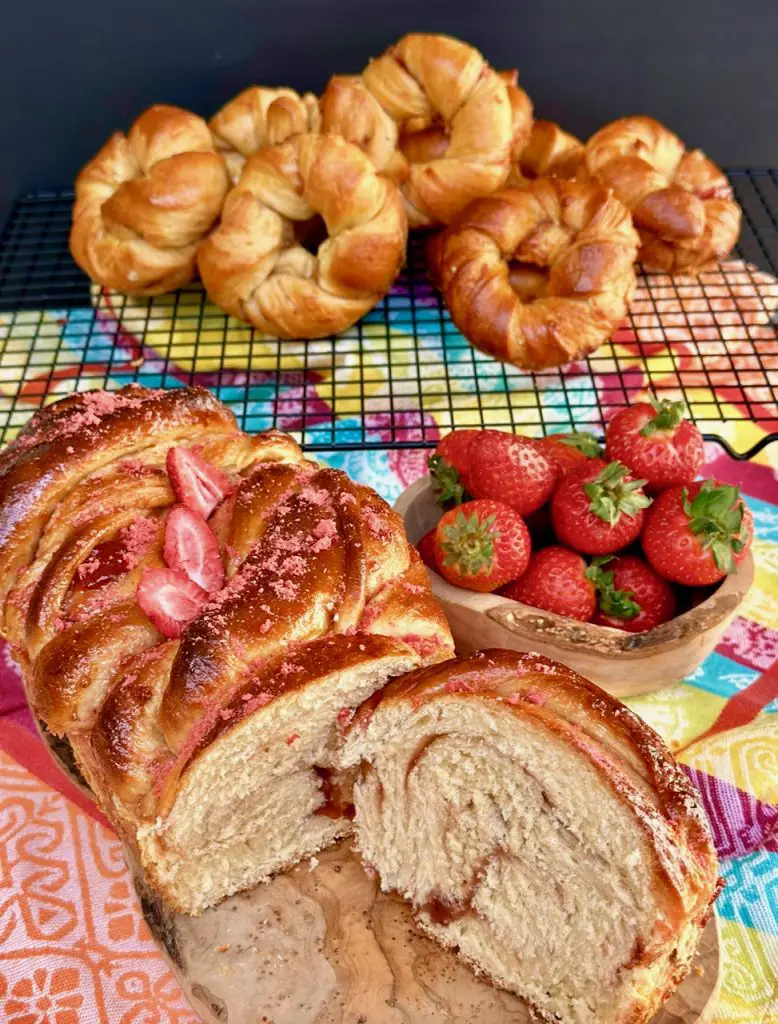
(198, 621)
(428, 81)
(680, 201)
(540, 274)
(145, 202)
(539, 828)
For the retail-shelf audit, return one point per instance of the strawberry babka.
(198, 612)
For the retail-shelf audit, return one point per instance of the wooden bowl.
(625, 664)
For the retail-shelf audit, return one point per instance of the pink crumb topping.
(423, 645)
(266, 626)
(137, 538)
(284, 589)
(535, 695)
(70, 449)
(462, 686)
(514, 698)
(226, 714)
(375, 522)
(415, 588)
(326, 532)
(132, 467)
(314, 495)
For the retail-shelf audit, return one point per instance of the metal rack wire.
(403, 374)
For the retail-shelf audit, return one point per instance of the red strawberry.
(481, 545)
(630, 595)
(196, 483)
(570, 451)
(696, 535)
(170, 600)
(598, 508)
(448, 466)
(556, 581)
(510, 469)
(426, 548)
(190, 548)
(656, 442)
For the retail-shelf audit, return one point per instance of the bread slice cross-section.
(539, 828)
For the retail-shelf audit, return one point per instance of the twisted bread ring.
(538, 275)
(680, 201)
(260, 117)
(419, 82)
(253, 265)
(145, 201)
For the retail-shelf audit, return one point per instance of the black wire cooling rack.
(403, 375)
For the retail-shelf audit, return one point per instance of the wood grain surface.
(322, 945)
(625, 664)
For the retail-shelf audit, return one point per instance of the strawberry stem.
(582, 441)
(613, 494)
(716, 517)
(468, 543)
(668, 416)
(446, 485)
(618, 603)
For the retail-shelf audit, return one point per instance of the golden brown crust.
(581, 238)
(681, 203)
(549, 151)
(423, 82)
(146, 200)
(254, 266)
(320, 574)
(259, 117)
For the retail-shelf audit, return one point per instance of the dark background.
(71, 73)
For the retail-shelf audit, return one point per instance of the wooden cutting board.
(322, 945)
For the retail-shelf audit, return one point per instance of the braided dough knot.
(680, 201)
(146, 200)
(538, 275)
(428, 81)
(254, 265)
(260, 117)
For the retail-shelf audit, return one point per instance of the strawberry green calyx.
(716, 517)
(468, 543)
(668, 416)
(446, 485)
(618, 603)
(582, 441)
(613, 495)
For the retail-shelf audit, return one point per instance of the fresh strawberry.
(481, 545)
(598, 508)
(696, 535)
(195, 482)
(170, 600)
(426, 548)
(570, 451)
(556, 581)
(448, 466)
(510, 469)
(630, 595)
(657, 443)
(191, 548)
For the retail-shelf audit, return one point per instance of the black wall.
(72, 72)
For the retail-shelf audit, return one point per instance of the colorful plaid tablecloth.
(73, 947)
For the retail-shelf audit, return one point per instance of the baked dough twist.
(210, 751)
(253, 264)
(259, 117)
(681, 202)
(145, 202)
(540, 274)
(423, 81)
(549, 151)
(540, 828)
